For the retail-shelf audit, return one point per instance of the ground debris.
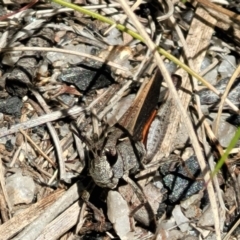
(80, 111)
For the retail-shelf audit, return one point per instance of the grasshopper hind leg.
(144, 202)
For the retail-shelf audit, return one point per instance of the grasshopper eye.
(177, 80)
(112, 159)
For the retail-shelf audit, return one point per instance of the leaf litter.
(55, 107)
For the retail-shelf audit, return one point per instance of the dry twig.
(181, 109)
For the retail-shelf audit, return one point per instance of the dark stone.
(234, 120)
(208, 97)
(18, 80)
(9, 146)
(86, 78)
(179, 181)
(11, 106)
(67, 99)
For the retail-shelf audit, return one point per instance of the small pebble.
(227, 66)
(194, 199)
(206, 220)
(118, 213)
(181, 220)
(114, 37)
(207, 97)
(168, 223)
(83, 48)
(20, 189)
(193, 212)
(175, 235)
(226, 131)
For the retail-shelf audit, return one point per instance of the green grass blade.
(161, 51)
(130, 32)
(226, 153)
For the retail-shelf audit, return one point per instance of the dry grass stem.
(73, 111)
(181, 109)
(38, 149)
(54, 136)
(169, 13)
(185, 118)
(219, 9)
(45, 49)
(201, 117)
(228, 88)
(210, 67)
(3, 187)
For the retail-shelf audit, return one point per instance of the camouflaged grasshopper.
(123, 149)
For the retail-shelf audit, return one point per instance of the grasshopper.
(123, 150)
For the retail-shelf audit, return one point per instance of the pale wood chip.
(61, 224)
(20, 221)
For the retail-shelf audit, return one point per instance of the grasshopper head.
(102, 173)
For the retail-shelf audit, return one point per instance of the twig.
(178, 103)
(133, 7)
(221, 211)
(19, 10)
(232, 229)
(201, 118)
(230, 14)
(38, 149)
(118, 95)
(169, 13)
(3, 208)
(54, 176)
(52, 12)
(4, 191)
(42, 119)
(62, 224)
(34, 165)
(45, 49)
(15, 156)
(210, 67)
(54, 136)
(228, 88)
